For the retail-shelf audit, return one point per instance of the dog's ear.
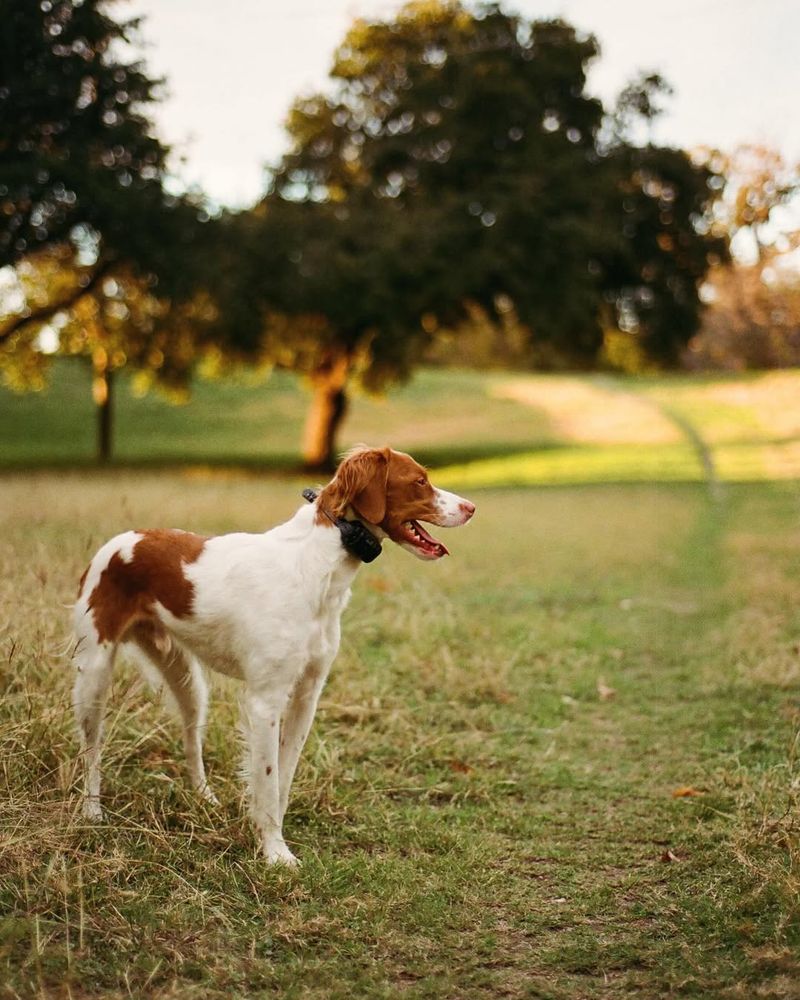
(362, 479)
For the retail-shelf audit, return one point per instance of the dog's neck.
(357, 539)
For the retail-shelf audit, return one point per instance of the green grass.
(480, 430)
(476, 816)
(257, 423)
(487, 805)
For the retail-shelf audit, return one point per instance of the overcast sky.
(233, 69)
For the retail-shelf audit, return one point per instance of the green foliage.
(458, 162)
(104, 259)
(119, 324)
(79, 164)
(662, 247)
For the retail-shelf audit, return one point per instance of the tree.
(752, 320)
(119, 324)
(332, 292)
(760, 182)
(662, 246)
(458, 162)
(753, 316)
(85, 219)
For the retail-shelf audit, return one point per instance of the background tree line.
(455, 167)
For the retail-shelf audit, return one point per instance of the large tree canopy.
(478, 126)
(80, 168)
(481, 122)
(458, 159)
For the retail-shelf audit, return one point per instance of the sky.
(233, 69)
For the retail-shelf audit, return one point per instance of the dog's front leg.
(297, 723)
(261, 724)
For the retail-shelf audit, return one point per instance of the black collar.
(358, 540)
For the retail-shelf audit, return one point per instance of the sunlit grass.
(734, 429)
(629, 463)
(619, 463)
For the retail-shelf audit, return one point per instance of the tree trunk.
(327, 411)
(102, 393)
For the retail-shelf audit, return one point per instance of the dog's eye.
(422, 481)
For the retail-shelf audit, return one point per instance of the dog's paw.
(92, 810)
(277, 853)
(207, 795)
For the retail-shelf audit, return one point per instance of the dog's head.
(391, 492)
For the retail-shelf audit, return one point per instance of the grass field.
(496, 429)
(560, 764)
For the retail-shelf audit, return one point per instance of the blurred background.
(533, 243)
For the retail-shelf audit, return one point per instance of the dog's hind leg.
(94, 662)
(188, 691)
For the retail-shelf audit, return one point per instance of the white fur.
(454, 510)
(266, 610)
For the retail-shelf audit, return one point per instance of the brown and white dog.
(263, 608)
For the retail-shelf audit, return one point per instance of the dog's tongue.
(434, 543)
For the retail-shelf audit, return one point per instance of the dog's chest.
(253, 615)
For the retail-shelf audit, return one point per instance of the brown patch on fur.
(82, 580)
(409, 495)
(152, 638)
(360, 483)
(127, 591)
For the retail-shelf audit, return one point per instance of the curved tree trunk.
(327, 411)
(102, 393)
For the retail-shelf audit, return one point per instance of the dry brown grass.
(474, 818)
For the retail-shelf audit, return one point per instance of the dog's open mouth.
(425, 544)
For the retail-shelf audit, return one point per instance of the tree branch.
(46, 312)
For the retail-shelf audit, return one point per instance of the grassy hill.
(488, 429)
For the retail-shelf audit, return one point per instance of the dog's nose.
(467, 508)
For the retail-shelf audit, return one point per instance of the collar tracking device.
(358, 540)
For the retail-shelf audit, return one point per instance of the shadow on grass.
(275, 465)
(455, 454)
(278, 464)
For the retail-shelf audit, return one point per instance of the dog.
(263, 608)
